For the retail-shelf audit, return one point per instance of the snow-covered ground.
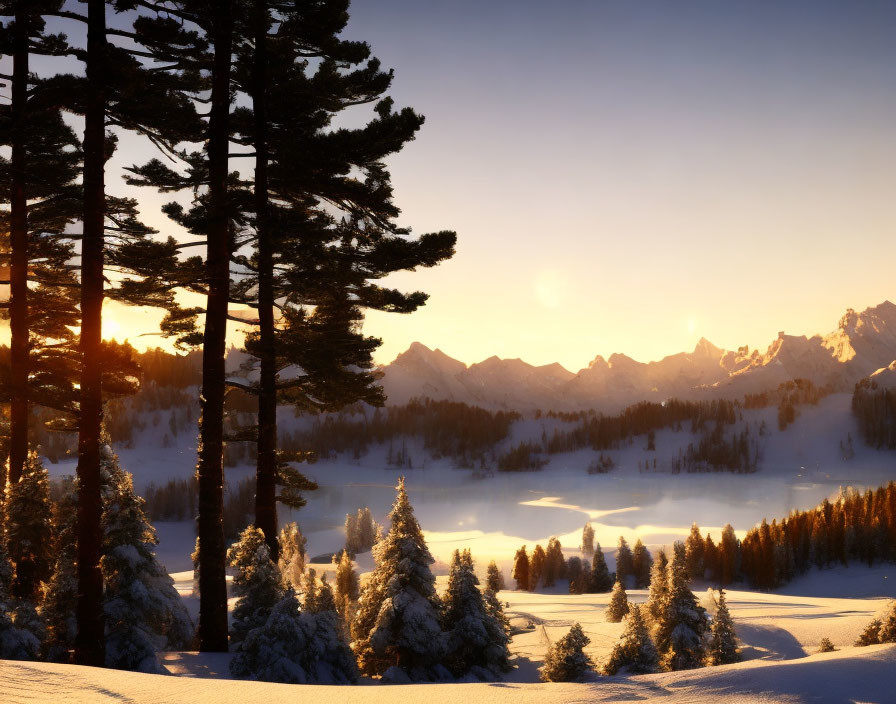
(779, 636)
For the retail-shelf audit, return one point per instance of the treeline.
(874, 407)
(446, 428)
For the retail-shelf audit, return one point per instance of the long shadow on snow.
(768, 643)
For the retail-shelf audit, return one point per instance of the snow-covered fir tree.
(723, 639)
(328, 658)
(659, 587)
(618, 606)
(624, 567)
(20, 635)
(679, 633)
(347, 588)
(521, 569)
(397, 633)
(29, 530)
(274, 651)
(496, 610)
(566, 660)
(292, 554)
(641, 565)
(257, 583)
(635, 652)
(494, 580)
(61, 592)
(476, 640)
(600, 581)
(143, 611)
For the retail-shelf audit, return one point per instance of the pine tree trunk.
(212, 585)
(266, 468)
(89, 644)
(18, 240)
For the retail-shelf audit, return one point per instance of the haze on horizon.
(630, 177)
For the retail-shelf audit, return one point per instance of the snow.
(848, 675)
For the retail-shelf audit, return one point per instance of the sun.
(692, 325)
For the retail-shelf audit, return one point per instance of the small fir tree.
(681, 629)
(825, 645)
(723, 639)
(566, 660)
(61, 592)
(521, 569)
(29, 529)
(635, 652)
(659, 587)
(143, 611)
(600, 575)
(554, 563)
(641, 564)
(578, 577)
(397, 633)
(494, 580)
(476, 640)
(618, 606)
(292, 554)
(257, 583)
(624, 565)
(347, 588)
(694, 553)
(537, 566)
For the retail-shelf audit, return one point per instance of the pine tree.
(659, 587)
(494, 581)
(635, 652)
(328, 658)
(618, 606)
(641, 565)
(537, 567)
(600, 574)
(292, 553)
(723, 640)
(680, 631)
(624, 566)
(521, 570)
(352, 537)
(257, 583)
(729, 555)
(694, 552)
(554, 563)
(397, 632)
(566, 660)
(143, 611)
(476, 640)
(588, 541)
(826, 646)
(578, 577)
(29, 529)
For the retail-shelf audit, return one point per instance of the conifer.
(61, 592)
(600, 575)
(347, 588)
(618, 606)
(694, 553)
(624, 567)
(397, 632)
(521, 570)
(537, 567)
(588, 541)
(476, 640)
(257, 583)
(659, 587)
(635, 652)
(888, 625)
(292, 554)
(29, 529)
(494, 581)
(641, 565)
(871, 634)
(566, 660)
(723, 640)
(680, 631)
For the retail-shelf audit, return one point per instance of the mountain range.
(862, 344)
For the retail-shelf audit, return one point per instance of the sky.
(632, 176)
